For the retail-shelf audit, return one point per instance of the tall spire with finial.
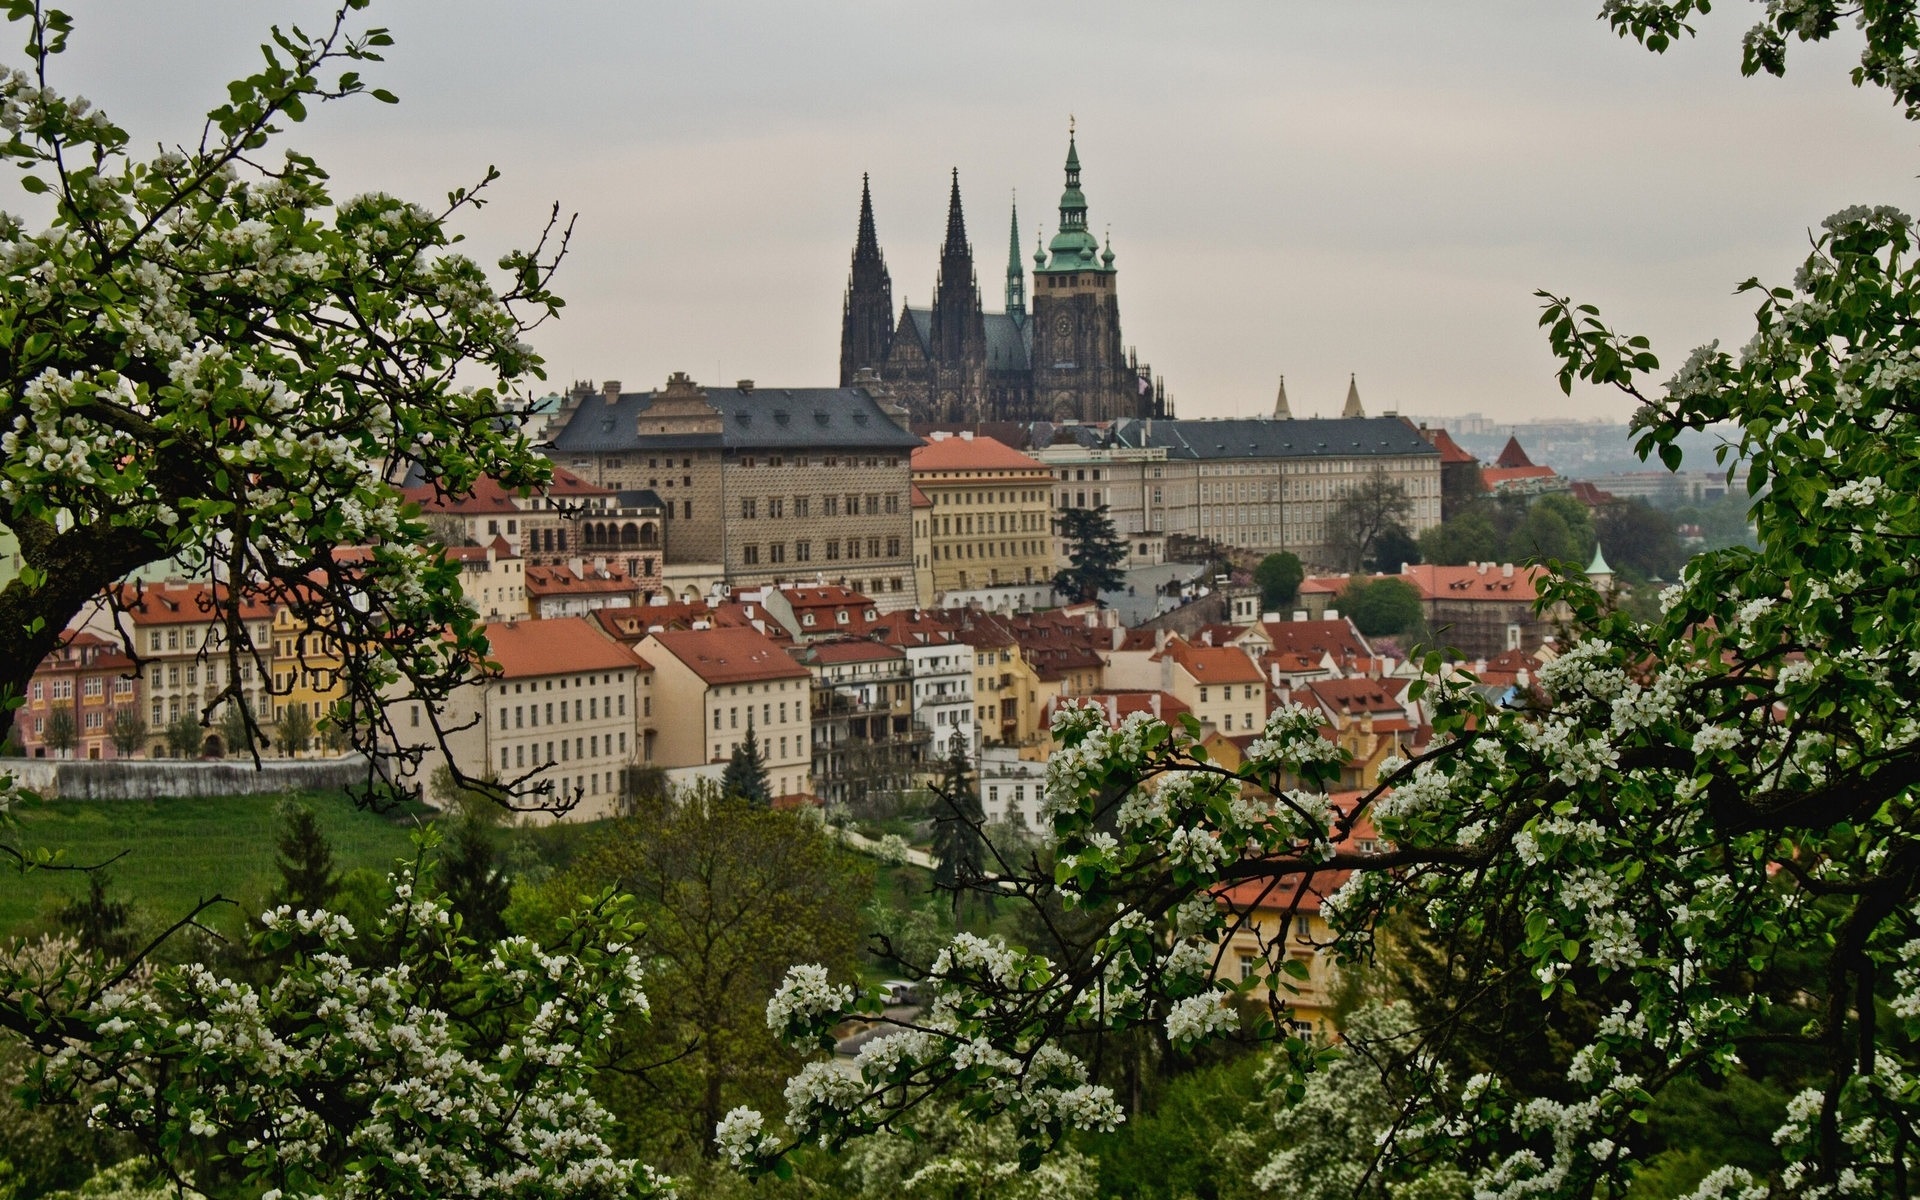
(1282, 411)
(1074, 247)
(1016, 272)
(956, 324)
(866, 316)
(1353, 408)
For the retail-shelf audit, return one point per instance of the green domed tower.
(1080, 369)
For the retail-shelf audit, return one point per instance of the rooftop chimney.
(745, 386)
(611, 390)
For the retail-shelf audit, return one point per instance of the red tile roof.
(1511, 455)
(1486, 581)
(959, 453)
(1359, 695)
(1213, 664)
(727, 655)
(1314, 639)
(1450, 451)
(181, 603)
(564, 581)
(564, 646)
(830, 653)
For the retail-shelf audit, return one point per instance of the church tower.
(956, 329)
(1080, 367)
(866, 319)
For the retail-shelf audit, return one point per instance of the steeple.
(866, 243)
(1074, 247)
(956, 223)
(956, 324)
(1281, 410)
(866, 317)
(1016, 273)
(1353, 408)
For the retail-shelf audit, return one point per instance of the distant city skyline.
(1303, 190)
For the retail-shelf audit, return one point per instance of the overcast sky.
(1302, 189)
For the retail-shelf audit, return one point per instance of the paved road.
(1139, 600)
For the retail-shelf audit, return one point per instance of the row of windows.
(950, 552)
(93, 688)
(803, 550)
(191, 636)
(579, 748)
(990, 523)
(766, 714)
(528, 715)
(1020, 497)
(892, 462)
(776, 507)
(1226, 692)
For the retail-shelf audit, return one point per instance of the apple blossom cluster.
(397, 1062)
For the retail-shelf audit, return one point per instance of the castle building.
(758, 486)
(954, 361)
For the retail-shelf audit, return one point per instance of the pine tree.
(959, 845)
(746, 774)
(304, 860)
(98, 921)
(477, 888)
(1094, 554)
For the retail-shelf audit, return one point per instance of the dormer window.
(843, 617)
(806, 619)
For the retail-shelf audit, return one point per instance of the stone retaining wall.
(141, 779)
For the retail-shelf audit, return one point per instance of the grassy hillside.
(177, 851)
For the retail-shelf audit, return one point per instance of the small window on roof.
(819, 417)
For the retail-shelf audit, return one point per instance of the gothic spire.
(867, 243)
(866, 319)
(1282, 411)
(956, 223)
(1016, 272)
(1353, 408)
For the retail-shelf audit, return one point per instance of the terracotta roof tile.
(562, 646)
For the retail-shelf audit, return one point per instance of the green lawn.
(177, 851)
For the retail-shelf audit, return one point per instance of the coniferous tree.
(477, 886)
(1094, 554)
(959, 845)
(746, 774)
(99, 922)
(304, 860)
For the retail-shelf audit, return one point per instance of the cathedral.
(955, 362)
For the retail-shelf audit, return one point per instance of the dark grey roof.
(643, 498)
(765, 418)
(1009, 343)
(919, 322)
(1262, 438)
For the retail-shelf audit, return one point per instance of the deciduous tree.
(1362, 517)
(1278, 576)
